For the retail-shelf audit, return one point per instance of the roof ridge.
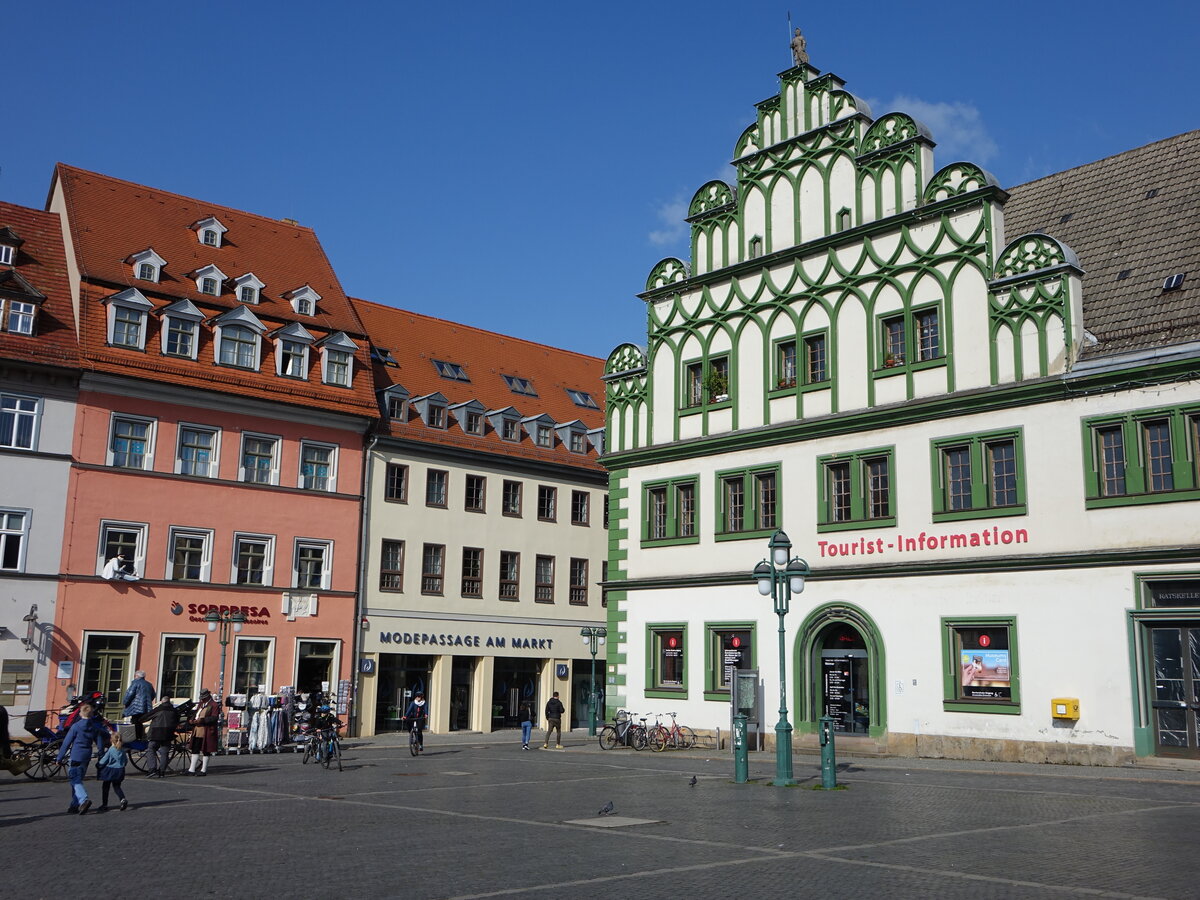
(477, 329)
(195, 200)
(1103, 159)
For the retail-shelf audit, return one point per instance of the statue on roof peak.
(799, 49)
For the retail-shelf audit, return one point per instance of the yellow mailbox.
(1064, 708)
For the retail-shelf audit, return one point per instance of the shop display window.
(728, 646)
(981, 671)
(667, 650)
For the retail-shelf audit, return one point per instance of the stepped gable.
(1136, 213)
(41, 264)
(110, 220)
(415, 341)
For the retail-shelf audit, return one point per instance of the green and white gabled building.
(975, 413)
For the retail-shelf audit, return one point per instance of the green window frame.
(748, 503)
(815, 358)
(1147, 456)
(978, 476)
(670, 512)
(910, 339)
(787, 363)
(702, 381)
(666, 663)
(988, 646)
(856, 490)
(716, 636)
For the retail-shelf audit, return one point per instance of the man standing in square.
(554, 714)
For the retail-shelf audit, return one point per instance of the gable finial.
(799, 49)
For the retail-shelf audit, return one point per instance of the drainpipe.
(360, 606)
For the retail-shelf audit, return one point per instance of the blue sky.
(521, 167)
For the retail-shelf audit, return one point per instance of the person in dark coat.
(205, 719)
(138, 701)
(164, 722)
(77, 745)
(554, 714)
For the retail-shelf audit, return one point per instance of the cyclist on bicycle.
(418, 711)
(324, 719)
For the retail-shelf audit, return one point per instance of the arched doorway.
(840, 666)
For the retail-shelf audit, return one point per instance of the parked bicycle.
(624, 732)
(677, 737)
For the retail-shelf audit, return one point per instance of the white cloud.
(671, 214)
(957, 128)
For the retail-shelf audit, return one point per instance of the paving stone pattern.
(478, 817)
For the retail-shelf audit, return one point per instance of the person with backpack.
(111, 768)
(87, 730)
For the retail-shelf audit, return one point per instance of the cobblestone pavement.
(478, 817)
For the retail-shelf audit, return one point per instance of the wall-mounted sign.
(922, 543)
(561, 670)
(366, 666)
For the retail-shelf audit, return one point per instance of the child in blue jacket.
(112, 772)
(88, 729)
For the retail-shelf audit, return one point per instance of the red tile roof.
(42, 262)
(111, 219)
(415, 341)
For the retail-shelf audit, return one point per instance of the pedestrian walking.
(526, 721)
(163, 722)
(204, 721)
(138, 701)
(77, 746)
(111, 768)
(554, 714)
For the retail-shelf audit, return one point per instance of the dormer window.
(510, 430)
(248, 288)
(337, 360)
(435, 416)
(304, 301)
(540, 429)
(573, 435)
(238, 339)
(469, 416)
(181, 324)
(450, 370)
(291, 350)
(384, 356)
(545, 437)
(395, 403)
(19, 318)
(9, 242)
(519, 385)
(431, 408)
(582, 398)
(127, 312)
(506, 422)
(209, 280)
(147, 265)
(210, 232)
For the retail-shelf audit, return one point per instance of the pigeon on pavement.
(693, 781)
(608, 807)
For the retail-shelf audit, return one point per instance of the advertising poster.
(985, 674)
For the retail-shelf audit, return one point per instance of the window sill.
(666, 693)
(1141, 499)
(856, 525)
(706, 407)
(994, 707)
(669, 542)
(744, 535)
(994, 512)
(903, 368)
(722, 696)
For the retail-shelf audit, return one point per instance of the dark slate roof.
(1104, 213)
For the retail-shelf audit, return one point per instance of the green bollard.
(741, 762)
(828, 757)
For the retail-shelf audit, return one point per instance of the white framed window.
(14, 538)
(20, 417)
(210, 232)
(180, 657)
(253, 559)
(122, 539)
(259, 462)
(179, 337)
(510, 430)
(545, 436)
(318, 466)
(237, 345)
(304, 300)
(312, 564)
(293, 359)
(131, 442)
(189, 554)
(397, 408)
(337, 359)
(435, 415)
(128, 327)
(248, 288)
(197, 451)
(253, 664)
(7, 254)
(147, 265)
(20, 316)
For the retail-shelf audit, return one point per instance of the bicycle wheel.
(686, 738)
(608, 738)
(638, 738)
(335, 752)
(658, 739)
(414, 746)
(308, 751)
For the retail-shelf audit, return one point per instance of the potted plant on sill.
(717, 386)
(787, 383)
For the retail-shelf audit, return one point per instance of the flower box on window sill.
(787, 383)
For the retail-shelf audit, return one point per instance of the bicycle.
(624, 732)
(679, 737)
(414, 736)
(315, 749)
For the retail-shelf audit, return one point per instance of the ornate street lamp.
(224, 620)
(594, 639)
(779, 578)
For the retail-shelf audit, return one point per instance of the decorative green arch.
(806, 665)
